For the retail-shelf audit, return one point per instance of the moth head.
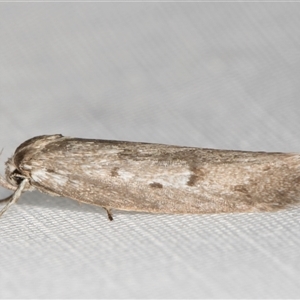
(15, 171)
(13, 175)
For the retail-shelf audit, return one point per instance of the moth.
(153, 178)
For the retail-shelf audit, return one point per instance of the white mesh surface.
(219, 75)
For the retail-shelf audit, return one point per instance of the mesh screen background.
(214, 75)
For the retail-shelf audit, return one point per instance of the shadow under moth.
(153, 178)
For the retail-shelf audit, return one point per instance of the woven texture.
(219, 75)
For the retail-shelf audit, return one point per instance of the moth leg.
(109, 213)
(14, 197)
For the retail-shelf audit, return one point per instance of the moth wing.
(166, 179)
(121, 175)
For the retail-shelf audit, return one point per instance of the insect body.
(153, 178)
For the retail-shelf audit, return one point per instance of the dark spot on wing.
(192, 180)
(114, 172)
(266, 168)
(197, 174)
(156, 185)
(242, 189)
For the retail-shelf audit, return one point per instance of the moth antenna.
(14, 197)
(5, 199)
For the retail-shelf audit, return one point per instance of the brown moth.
(153, 178)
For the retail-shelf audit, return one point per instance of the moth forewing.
(156, 178)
